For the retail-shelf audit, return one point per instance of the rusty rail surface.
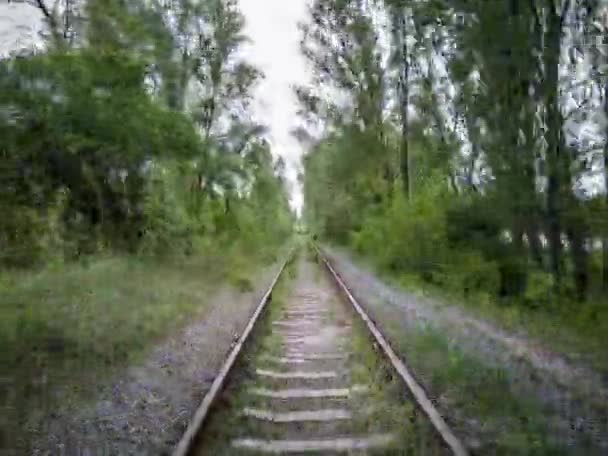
(442, 428)
(185, 444)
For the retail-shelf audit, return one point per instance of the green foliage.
(411, 236)
(22, 228)
(539, 292)
(459, 377)
(98, 151)
(475, 191)
(123, 200)
(90, 132)
(168, 227)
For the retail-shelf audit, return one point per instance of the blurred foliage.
(133, 136)
(134, 183)
(458, 162)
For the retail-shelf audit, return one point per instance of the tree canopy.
(130, 130)
(467, 133)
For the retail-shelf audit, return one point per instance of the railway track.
(311, 374)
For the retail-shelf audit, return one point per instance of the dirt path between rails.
(145, 408)
(578, 394)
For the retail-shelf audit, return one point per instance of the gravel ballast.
(573, 397)
(145, 408)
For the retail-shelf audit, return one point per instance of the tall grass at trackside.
(504, 423)
(72, 324)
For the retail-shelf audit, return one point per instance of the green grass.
(394, 409)
(65, 328)
(471, 390)
(507, 424)
(97, 313)
(572, 329)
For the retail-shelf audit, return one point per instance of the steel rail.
(450, 439)
(185, 444)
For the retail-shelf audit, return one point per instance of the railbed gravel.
(574, 396)
(145, 408)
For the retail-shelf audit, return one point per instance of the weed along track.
(311, 380)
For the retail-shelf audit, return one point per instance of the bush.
(409, 237)
(539, 290)
(168, 227)
(413, 238)
(30, 237)
(470, 273)
(21, 232)
(370, 237)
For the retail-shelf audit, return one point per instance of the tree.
(109, 128)
(400, 32)
(485, 107)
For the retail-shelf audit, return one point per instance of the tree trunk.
(184, 77)
(558, 168)
(580, 260)
(605, 239)
(226, 205)
(554, 230)
(536, 251)
(400, 24)
(605, 263)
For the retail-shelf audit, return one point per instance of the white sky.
(272, 27)
(19, 25)
(275, 49)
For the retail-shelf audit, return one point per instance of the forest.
(454, 160)
(131, 133)
(464, 148)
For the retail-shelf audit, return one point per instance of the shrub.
(539, 289)
(168, 227)
(412, 238)
(470, 273)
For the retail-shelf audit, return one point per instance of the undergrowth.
(70, 325)
(508, 424)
